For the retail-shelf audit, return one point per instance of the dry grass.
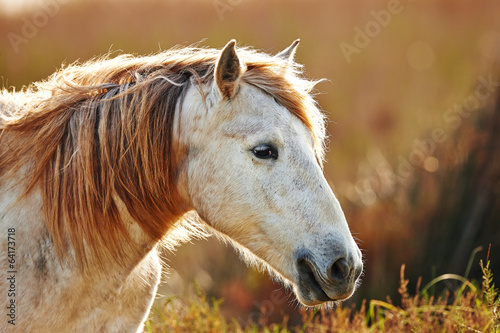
(473, 307)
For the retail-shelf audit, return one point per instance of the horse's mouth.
(312, 289)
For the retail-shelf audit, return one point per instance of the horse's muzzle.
(335, 282)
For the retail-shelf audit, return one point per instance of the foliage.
(467, 309)
(199, 315)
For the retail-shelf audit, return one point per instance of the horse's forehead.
(253, 115)
(259, 117)
(253, 107)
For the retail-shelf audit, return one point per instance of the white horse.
(102, 161)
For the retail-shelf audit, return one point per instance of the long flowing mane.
(106, 127)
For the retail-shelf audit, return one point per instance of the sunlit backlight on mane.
(106, 126)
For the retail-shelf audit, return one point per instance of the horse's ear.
(289, 52)
(228, 70)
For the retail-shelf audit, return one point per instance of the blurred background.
(414, 134)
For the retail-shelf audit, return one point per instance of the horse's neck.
(25, 214)
(51, 288)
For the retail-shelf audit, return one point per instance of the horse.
(109, 160)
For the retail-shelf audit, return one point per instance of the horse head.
(251, 169)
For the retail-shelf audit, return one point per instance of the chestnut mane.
(105, 128)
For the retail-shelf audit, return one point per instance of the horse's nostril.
(339, 270)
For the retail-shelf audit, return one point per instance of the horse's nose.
(328, 281)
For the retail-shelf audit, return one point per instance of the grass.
(472, 307)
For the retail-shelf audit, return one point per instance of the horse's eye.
(265, 151)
